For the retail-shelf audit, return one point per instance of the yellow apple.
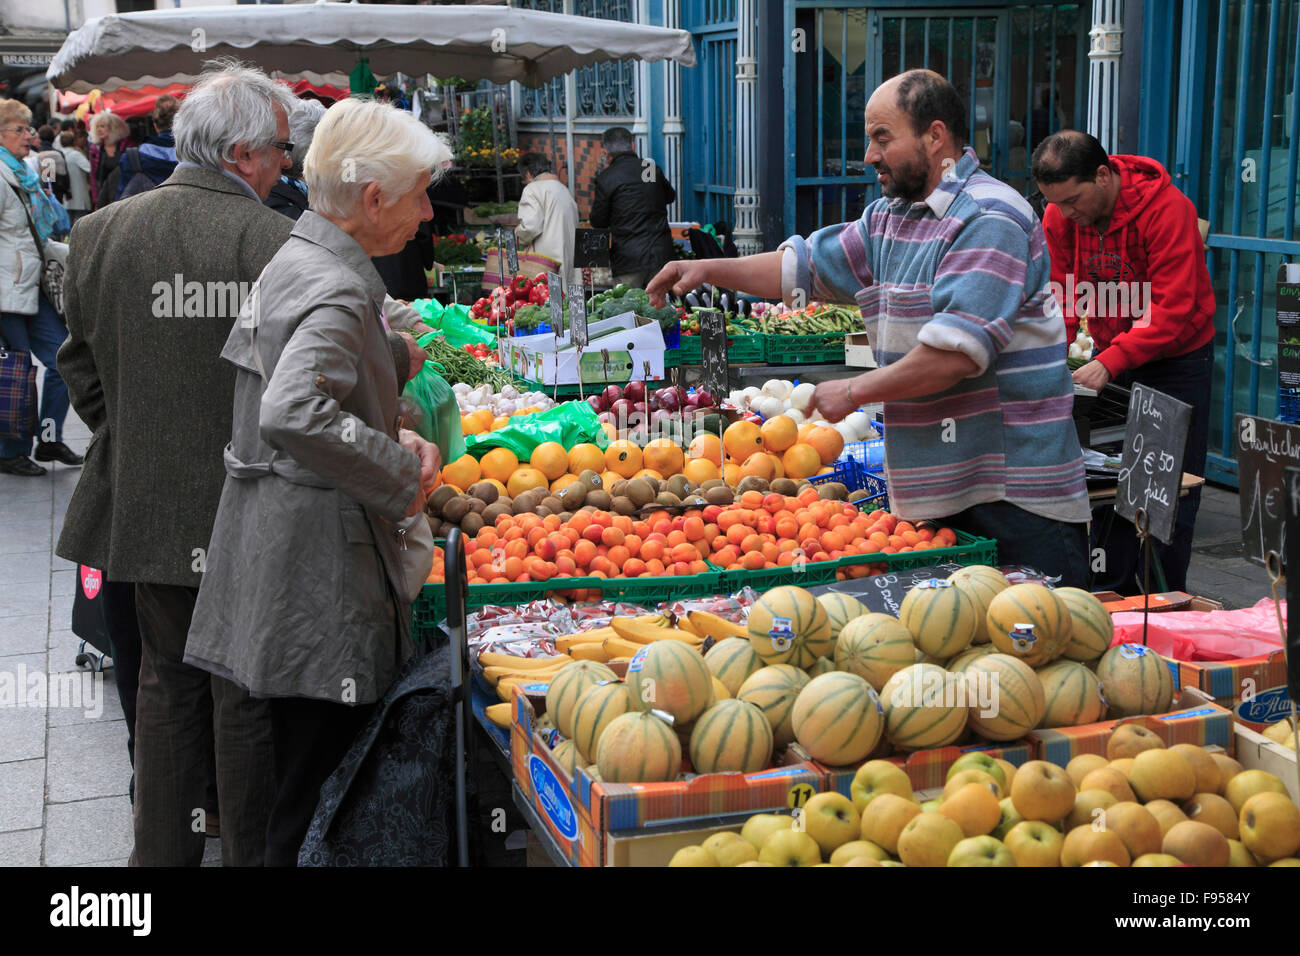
(1280, 732)
(1238, 855)
(1213, 809)
(1082, 765)
(1162, 775)
(929, 806)
(884, 818)
(974, 807)
(1167, 814)
(1042, 791)
(1286, 861)
(928, 840)
(978, 760)
(790, 848)
(692, 856)
(1248, 783)
(853, 848)
(1122, 765)
(1085, 803)
(756, 863)
(1010, 817)
(721, 839)
(1086, 845)
(1208, 777)
(1009, 769)
(1157, 859)
(1270, 826)
(864, 861)
(1197, 843)
(761, 826)
(1228, 768)
(1110, 780)
(1137, 827)
(1129, 740)
(731, 852)
(1035, 843)
(980, 851)
(831, 820)
(876, 777)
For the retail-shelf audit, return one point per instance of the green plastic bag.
(571, 423)
(434, 414)
(430, 310)
(459, 332)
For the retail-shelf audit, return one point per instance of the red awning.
(131, 103)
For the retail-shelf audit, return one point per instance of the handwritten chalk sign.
(884, 593)
(1264, 448)
(501, 260)
(1293, 583)
(578, 313)
(590, 248)
(713, 352)
(1151, 467)
(512, 253)
(555, 299)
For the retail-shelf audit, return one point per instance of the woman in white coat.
(27, 320)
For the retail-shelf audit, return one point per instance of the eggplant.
(693, 301)
(726, 303)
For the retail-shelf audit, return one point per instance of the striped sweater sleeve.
(831, 265)
(979, 288)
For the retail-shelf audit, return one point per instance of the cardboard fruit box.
(926, 769)
(1193, 719)
(593, 823)
(1256, 752)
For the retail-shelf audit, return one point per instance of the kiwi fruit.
(435, 526)
(619, 488)
(440, 497)
(640, 492)
(553, 503)
(572, 495)
(832, 491)
(471, 524)
(476, 505)
(784, 486)
(752, 483)
(719, 495)
(485, 491)
(713, 483)
(456, 509)
(542, 511)
(694, 500)
(623, 505)
(565, 516)
(592, 480)
(667, 498)
(857, 495)
(600, 500)
(678, 485)
(493, 511)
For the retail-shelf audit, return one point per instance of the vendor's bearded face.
(898, 154)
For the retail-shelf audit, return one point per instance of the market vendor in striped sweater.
(950, 269)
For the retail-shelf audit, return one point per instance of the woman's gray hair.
(302, 127)
(361, 141)
(230, 104)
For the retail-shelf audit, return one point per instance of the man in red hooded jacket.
(1128, 257)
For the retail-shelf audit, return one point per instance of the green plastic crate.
(673, 358)
(803, 349)
(740, 349)
(969, 549)
(690, 350)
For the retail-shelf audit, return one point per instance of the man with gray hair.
(289, 195)
(148, 313)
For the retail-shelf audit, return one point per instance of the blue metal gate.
(709, 112)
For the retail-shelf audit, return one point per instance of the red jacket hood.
(1141, 179)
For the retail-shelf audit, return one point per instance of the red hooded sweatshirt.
(1152, 238)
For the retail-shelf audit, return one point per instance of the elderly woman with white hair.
(301, 601)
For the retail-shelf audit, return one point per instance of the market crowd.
(248, 488)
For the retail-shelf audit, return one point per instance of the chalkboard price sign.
(590, 248)
(884, 593)
(512, 253)
(1264, 448)
(1151, 467)
(713, 353)
(555, 299)
(578, 313)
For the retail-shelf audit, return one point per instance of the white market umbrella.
(322, 42)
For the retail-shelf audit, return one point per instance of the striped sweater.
(967, 270)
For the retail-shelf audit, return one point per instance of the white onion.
(794, 415)
(860, 422)
(777, 388)
(801, 396)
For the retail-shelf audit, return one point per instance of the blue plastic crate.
(673, 337)
(848, 473)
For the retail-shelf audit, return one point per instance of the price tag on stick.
(1264, 448)
(590, 248)
(555, 300)
(501, 259)
(713, 352)
(1151, 467)
(578, 313)
(512, 253)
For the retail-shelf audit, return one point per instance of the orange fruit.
(462, 472)
(623, 458)
(611, 432)
(500, 486)
(584, 456)
(608, 478)
(731, 474)
(469, 426)
(758, 465)
(664, 456)
(484, 418)
(778, 470)
(700, 470)
(499, 463)
(563, 482)
(525, 479)
(828, 442)
(649, 473)
(779, 432)
(550, 459)
(801, 460)
(706, 446)
(742, 439)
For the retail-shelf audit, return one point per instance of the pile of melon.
(1141, 805)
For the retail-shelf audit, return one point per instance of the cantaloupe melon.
(1072, 694)
(840, 609)
(981, 584)
(823, 665)
(1092, 629)
(788, 626)
(566, 755)
(940, 617)
(875, 647)
(731, 736)
(773, 691)
(1029, 622)
(638, 747)
(1004, 697)
(1134, 680)
(837, 718)
(596, 708)
(732, 660)
(720, 691)
(568, 686)
(921, 707)
(973, 653)
(670, 676)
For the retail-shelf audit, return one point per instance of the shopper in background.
(27, 319)
(289, 195)
(78, 202)
(148, 165)
(632, 200)
(299, 602)
(108, 137)
(951, 273)
(547, 213)
(1120, 219)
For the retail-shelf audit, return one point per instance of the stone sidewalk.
(64, 773)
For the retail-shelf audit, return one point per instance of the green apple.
(1010, 817)
(692, 856)
(761, 826)
(790, 848)
(830, 819)
(876, 777)
(929, 806)
(978, 760)
(981, 851)
(1034, 843)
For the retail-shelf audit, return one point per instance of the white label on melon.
(1023, 638)
(638, 661)
(1132, 651)
(782, 634)
(934, 583)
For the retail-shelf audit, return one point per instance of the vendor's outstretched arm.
(758, 275)
(921, 372)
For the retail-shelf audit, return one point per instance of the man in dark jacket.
(148, 165)
(632, 196)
